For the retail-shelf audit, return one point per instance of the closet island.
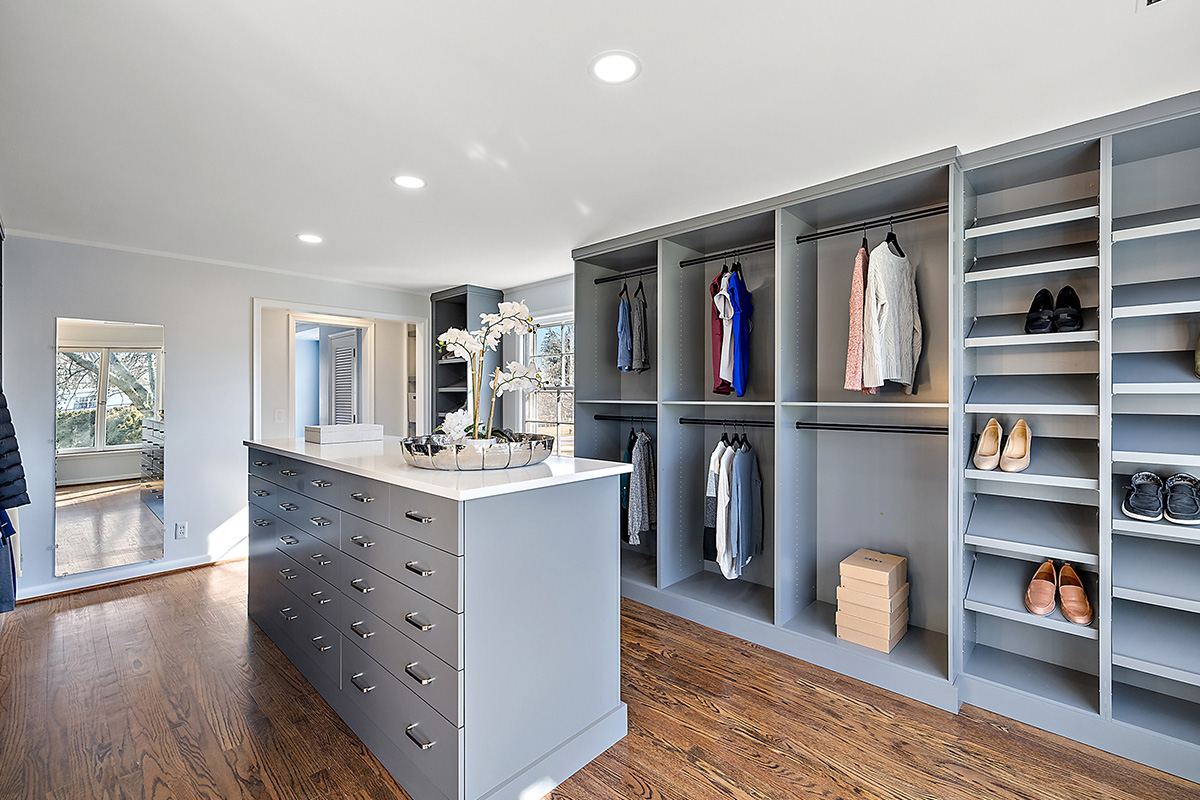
(465, 625)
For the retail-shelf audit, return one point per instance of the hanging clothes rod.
(623, 418)
(740, 251)
(895, 219)
(936, 430)
(622, 276)
(728, 423)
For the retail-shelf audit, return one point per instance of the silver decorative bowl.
(441, 452)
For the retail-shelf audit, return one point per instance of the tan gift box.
(882, 630)
(883, 644)
(875, 616)
(881, 573)
(851, 592)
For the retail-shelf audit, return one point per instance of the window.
(102, 395)
(551, 347)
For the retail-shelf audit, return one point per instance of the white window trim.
(99, 448)
(525, 354)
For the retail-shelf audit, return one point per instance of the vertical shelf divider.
(1103, 606)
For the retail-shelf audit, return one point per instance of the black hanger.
(624, 290)
(640, 289)
(892, 242)
(725, 265)
(865, 244)
(724, 435)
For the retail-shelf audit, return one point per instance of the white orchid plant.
(471, 346)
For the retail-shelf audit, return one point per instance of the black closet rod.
(622, 418)
(728, 423)
(840, 230)
(624, 275)
(740, 251)
(867, 428)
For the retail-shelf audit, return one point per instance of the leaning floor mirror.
(109, 445)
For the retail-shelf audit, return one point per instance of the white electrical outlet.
(279, 415)
(180, 530)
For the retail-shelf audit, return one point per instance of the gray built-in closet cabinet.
(1110, 207)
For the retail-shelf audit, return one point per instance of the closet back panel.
(596, 309)
(1158, 258)
(1164, 182)
(683, 317)
(1042, 644)
(1153, 683)
(886, 492)
(1066, 161)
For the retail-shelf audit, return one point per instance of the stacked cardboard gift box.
(872, 608)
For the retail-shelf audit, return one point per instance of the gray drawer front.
(280, 470)
(318, 594)
(433, 626)
(262, 493)
(362, 497)
(426, 517)
(317, 637)
(308, 515)
(426, 675)
(401, 714)
(320, 558)
(432, 572)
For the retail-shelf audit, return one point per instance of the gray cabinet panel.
(432, 572)
(311, 516)
(316, 636)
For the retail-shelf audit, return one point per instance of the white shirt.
(725, 311)
(726, 552)
(891, 320)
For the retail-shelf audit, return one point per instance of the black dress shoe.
(1068, 315)
(1040, 318)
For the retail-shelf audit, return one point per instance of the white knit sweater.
(891, 320)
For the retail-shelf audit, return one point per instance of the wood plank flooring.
(163, 689)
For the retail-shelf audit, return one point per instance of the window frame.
(101, 407)
(528, 351)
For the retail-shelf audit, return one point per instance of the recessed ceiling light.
(408, 182)
(615, 66)
(309, 238)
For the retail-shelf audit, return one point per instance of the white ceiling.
(220, 129)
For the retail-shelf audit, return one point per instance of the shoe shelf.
(1076, 395)
(1038, 679)
(997, 587)
(737, 596)
(1025, 219)
(1034, 530)
(1153, 711)
(452, 360)
(460, 387)
(1157, 223)
(1155, 640)
(1158, 573)
(1043, 261)
(1156, 298)
(1156, 439)
(1007, 330)
(1169, 372)
(1069, 463)
(1167, 531)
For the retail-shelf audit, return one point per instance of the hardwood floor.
(163, 689)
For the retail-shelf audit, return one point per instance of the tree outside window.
(102, 395)
(551, 410)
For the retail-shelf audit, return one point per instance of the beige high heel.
(987, 451)
(1016, 450)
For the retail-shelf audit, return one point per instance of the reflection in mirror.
(109, 438)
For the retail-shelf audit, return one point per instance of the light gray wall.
(391, 377)
(206, 310)
(544, 298)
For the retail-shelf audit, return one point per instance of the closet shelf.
(859, 404)
(1158, 641)
(1025, 219)
(1158, 573)
(583, 400)
(721, 403)
(1156, 223)
(1076, 395)
(452, 360)
(1034, 530)
(1172, 440)
(1171, 372)
(1167, 531)
(1037, 679)
(1063, 258)
(1006, 330)
(459, 387)
(638, 567)
(1160, 713)
(737, 596)
(1069, 463)
(997, 588)
(1157, 298)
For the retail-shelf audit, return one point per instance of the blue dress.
(743, 309)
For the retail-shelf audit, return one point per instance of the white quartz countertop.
(382, 461)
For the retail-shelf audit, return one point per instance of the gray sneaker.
(1183, 499)
(1145, 497)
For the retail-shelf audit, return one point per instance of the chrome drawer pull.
(316, 640)
(362, 634)
(289, 506)
(417, 738)
(415, 566)
(261, 493)
(362, 541)
(290, 473)
(320, 484)
(320, 559)
(421, 518)
(262, 523)
(415, 619)
(320, 522)
(287, 573)
(420, 676)
(287, 614)
(364, 689)
(360, 497)
(289, 540)
(320, 600)
(364, 588)
(262, 463)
